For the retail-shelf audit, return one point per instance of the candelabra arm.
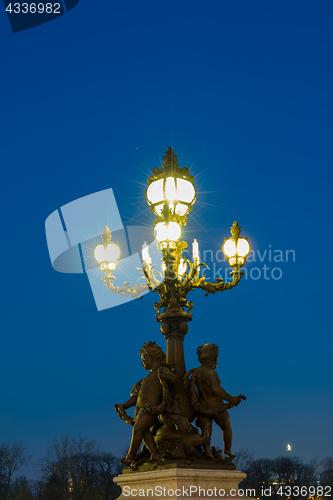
(220, 286)
(193, 276)
(134, 290)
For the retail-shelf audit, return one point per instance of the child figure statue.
(209, 401)
(150, 397)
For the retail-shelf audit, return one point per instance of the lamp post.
(171, 195)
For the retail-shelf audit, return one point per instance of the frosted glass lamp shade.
(236, 250)
(185, 190)
(167, 232)
(243, 247)
(178, 193)
(229, 248)
(109, 254)
(170, 194)
(155, 192)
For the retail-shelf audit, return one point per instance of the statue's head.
(207, 353)
(154, 351)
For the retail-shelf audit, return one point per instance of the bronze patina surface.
(164, 415)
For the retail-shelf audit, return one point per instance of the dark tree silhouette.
(77, 469)
(12, 457)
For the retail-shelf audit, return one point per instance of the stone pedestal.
(181, 483)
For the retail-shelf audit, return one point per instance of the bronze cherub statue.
(150, 397)
(209, 400)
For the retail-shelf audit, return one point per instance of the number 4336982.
(34, 8)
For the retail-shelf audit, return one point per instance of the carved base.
(179, 483)
(177, 455)
(178, 444)
(199, 463)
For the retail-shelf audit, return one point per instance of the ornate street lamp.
(169, 399)
(171, 195)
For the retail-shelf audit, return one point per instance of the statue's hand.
(239, 398)
(119, 409)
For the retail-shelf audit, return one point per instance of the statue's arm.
(130, 402)
(134, 396)
(219, 391)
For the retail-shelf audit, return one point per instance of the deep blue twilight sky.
(243, 92)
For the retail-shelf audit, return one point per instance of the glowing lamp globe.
(236, 249)
(170, 232)
(172, 186)
(107, 253)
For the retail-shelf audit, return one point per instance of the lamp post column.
(174, 328)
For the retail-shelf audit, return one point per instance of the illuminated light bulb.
(182, 267)
(145, 253)
(195, 250)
